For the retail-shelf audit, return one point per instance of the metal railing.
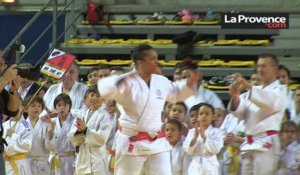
(53, 24)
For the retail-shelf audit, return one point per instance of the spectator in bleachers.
(289, 163)
(104, 71)
(254, 79)
(92, 76)
(27, 87)
(284, 76)
(263, 110)
(69, 85)
(203, 94)
(117, 70)
(177, 72)
(295, 110)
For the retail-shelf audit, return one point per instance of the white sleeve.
(241, 109)
(99, 136)
(191, 150)
(179, 91)
(21, 140)
(269, 102)
(214, 142)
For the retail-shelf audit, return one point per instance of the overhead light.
(8, 1)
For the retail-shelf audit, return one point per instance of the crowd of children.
(124, 126)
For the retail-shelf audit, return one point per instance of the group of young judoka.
(126, 127)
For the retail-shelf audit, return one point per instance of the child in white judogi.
(18, 137)
(234, 131)
(89, 134)
(180, 161)
(289, 162)
(204, 143)
(38, 154)
(62, 155)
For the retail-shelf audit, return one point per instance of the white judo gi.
(204, 154)
(76, 94)
(263, 110)
(289, 163)
(19, 144)
(39, 153)
(92, 155)
(231, 153)
(141, 116)
(62, 150)
(204, 95)
(180, 161)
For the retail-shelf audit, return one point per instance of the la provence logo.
(254, 20)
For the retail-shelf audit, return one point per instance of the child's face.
(172, 133)
(95, 100)
(93, 77)
(62, 109)
(177, 112)
(193, 120)
(288, 135)
(205, 116)
(219, 117)
(167, 110)
(111, 106)
(34, 109)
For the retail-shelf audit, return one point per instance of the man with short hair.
(262, 108)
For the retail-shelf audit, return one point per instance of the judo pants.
(156, 164)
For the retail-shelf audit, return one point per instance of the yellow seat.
(91, 62)
(293, 86)
(206, 22)
(169, 63)
(209, 63)
(121, 22)
(119, 62)
(253, 42)
(162, 41)
(226, 42)
(176, 23)
(239, 63)
(149, 22)
(206, 85)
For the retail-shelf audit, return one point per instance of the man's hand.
(10, 73)
(15, 83)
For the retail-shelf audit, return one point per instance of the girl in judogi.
(62, 155)
(18, 136)
(204, 143)
(179, 112)
(289, 163)
(179, 159)
(89, 134)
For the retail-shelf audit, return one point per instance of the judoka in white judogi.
(19, 144)
(289, 162)
(180, 161)
(204, 154)
(61, 148)
(141, 112)
(92, 155)
(262, 109)
(39, 154)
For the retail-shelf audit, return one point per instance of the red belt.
(250, 138)
(142, 136)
